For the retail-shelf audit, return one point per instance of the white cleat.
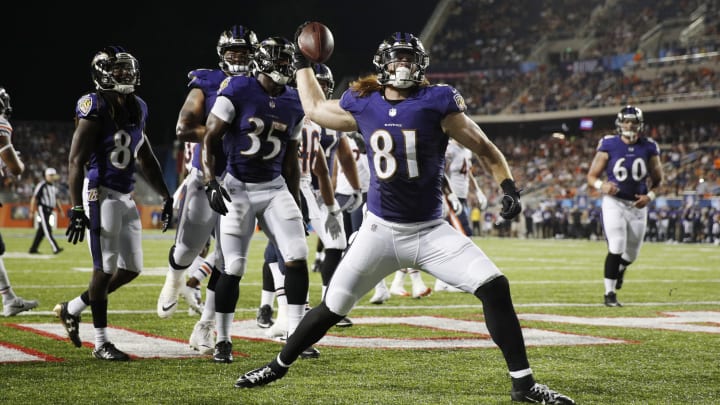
(399, 291)
(202, 338)
(380, 296)
(168, 301)
(18, 305)
(421, 291)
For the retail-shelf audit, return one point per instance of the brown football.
(316, 42)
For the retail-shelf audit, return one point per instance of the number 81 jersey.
(628, 164)
(112, 161)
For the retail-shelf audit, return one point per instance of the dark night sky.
(46, 55)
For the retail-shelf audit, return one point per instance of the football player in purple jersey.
(631, 163)
(406, 124)
(108, 147)
(255, 119)
(235, 49)
(9, 162)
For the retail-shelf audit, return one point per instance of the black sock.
(227, 292)
(612, 266)
(313, 326)
(330, 263)
(99, 313)
(297, 282)
(502, 322)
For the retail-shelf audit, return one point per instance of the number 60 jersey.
(112, 162)
(627, 165)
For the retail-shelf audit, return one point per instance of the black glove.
(76, 228)
(511, 200)
(167, 214)
(299, 60)
(215, 194)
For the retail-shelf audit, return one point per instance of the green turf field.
(663, 347)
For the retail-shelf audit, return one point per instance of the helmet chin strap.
(124, 88)
(630, 135)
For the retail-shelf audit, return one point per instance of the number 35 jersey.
(112, 161)
(405, 149)
(628, 164)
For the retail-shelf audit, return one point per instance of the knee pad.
(236, 267)
(183, 255)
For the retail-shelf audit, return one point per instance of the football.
(316, 42)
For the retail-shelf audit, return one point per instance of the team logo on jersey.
(272, 103)
(460, 102)
(85, 104)
(92, 194)
(392, 112)
(224, 83)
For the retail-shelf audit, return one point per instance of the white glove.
(482, 200)
(354, 202)
(333, 221)
(455, 203)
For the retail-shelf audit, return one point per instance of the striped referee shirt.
(45, 194)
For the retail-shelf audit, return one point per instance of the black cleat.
(70, 322)
(264, 316)
(344, 323)
(611, 300)
(108, 351)
(310, 353)
(223, 352)
(541, 394)
(261, 376)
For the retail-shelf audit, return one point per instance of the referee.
(44, 201)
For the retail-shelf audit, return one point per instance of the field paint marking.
(533, 337)
(12, 353)
(695, 321)
(138, 344)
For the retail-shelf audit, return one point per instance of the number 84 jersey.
(628, 164)
(112, 161)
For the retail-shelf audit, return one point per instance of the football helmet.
(400, 61)
(325, 78)
(629, 123)
(243, 42)
(274, 58)
(114, 69)
(5, 108)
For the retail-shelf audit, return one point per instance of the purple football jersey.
(628, 164)
(406, 150)
(112, 160)
(208, 81)
(256, 142)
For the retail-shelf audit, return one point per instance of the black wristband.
(508, 186)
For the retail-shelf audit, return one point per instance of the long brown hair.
(366, 85)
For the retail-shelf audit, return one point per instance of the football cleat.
(344, 323)
(261, 376)
(108, 351)
(264, 316)
(310, 353)
(18, 305)
(380, 297)
(422, 291)
(193, 297)
(399, 291)
(541, 394)
(168, 299)
(611, 300)
(223, 352)
(70, 322)
(202, 338)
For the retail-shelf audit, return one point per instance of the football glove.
(332, 223)
(482, 200)
(76, 228)
(216, 194)
(354, 202)
(511, 200)
(167, 214)
(299, 60)
(455, 203)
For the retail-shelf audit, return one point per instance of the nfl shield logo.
(272, 103)
(392, 112)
